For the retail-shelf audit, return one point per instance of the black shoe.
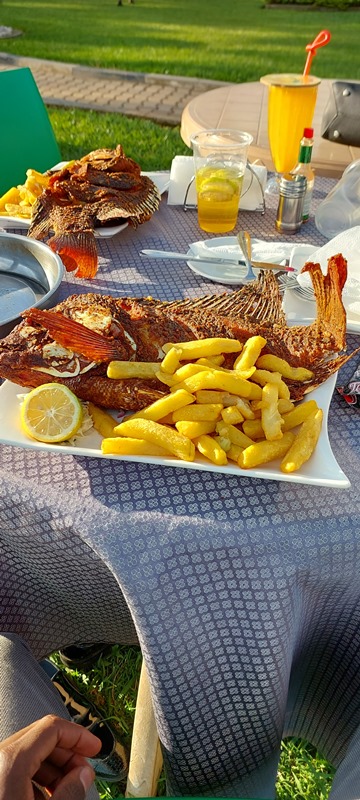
(111, 763)
(77, 656)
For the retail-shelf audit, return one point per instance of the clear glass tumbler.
(220, 158)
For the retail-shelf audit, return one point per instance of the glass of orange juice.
(291, 105)
(220, 158)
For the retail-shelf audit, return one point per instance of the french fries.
(19, 200)
(234, 434)
(264, 376)
(263, 452)
(304, 443)
(192, 428)
(298, 415)
(243, 414)
(232, 415)
(203, 348)
(128, 446)
(157, 434)
(102, 421)
(215, 379)
(276, 364)
(209, 412)
(271, 420)
(250, 353)
(132, 369)
(164, 406)
(212, 450)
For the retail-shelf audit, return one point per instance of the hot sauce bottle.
(304, 167)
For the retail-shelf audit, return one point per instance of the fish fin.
(79, 339)
(259, 301)
(77, 250)
(41, 224)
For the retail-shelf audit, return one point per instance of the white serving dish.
(322, 468)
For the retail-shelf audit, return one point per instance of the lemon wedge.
(51, 413)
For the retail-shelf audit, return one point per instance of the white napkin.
(182, 170)
(274, 252)
(348, 244)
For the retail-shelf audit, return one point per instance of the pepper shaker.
(291, 202)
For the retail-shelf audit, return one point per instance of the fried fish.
(74, 342)
(102, 188)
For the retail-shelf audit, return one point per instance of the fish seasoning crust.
(102, 188)
(74, 342)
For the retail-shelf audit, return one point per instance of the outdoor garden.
(235, 41)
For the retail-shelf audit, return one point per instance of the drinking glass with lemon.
(220, 158)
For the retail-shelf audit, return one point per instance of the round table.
(244, 106)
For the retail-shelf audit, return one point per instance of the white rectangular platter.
(322, 468)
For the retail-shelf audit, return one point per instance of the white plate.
(227, 246)
(322, 468)
(297, 307)
(161, 180)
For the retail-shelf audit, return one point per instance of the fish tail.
(331, 314)
(77, 250)
(76, 337)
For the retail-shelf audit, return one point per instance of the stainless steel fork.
(244, 240)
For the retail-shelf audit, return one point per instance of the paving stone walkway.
(161, 98)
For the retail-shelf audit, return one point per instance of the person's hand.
(51, 751)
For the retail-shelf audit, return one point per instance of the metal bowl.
(30, 275)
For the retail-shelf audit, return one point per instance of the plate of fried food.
(239, 421)
(244, 396)
(69, 207)
(17, 203)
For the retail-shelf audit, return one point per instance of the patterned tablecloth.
(244, 592)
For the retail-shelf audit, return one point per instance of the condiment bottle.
(292, 190)
(304, 167)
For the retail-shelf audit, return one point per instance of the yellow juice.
(218, 191)
(292, 100)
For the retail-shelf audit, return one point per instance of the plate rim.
(205, 273)
(52, 291)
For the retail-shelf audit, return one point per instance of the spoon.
(245, 245)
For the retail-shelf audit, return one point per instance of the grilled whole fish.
(74, 342)
(104, 187)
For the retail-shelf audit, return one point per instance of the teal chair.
(26, 137)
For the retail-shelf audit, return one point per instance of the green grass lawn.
(231, 40)
(112, 685)
(78, 131)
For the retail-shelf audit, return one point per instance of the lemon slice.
(51, 413)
